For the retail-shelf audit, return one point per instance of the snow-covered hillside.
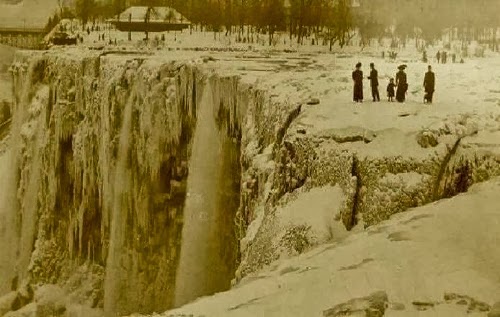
(437, 260)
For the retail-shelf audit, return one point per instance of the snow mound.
(437, 260)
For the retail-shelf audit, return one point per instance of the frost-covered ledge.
(326, 183)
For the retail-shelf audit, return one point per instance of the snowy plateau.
(221, 182)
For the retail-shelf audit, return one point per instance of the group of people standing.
(442, 57)
(396, 89)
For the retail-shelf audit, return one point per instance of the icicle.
(116, 140)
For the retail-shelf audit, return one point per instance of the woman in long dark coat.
(357, 77)
(402, 84)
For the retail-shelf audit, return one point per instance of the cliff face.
(139, 183)
(100, 166)
(111, 159)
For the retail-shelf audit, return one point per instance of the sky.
(26, 13)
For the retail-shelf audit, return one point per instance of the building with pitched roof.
(150, 19)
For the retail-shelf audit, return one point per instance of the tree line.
(428, 20)
(326, 21)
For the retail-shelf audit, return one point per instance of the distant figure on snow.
(444, 57)
(429, 85)
(357, 77)
(438, 57)
(454, 58)
(401, 83)
(424, 56)
(374, 82)
(391, 90)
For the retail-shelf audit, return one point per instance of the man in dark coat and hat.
(357, 77)
(374, 82)
(429, 84)
(401, 83)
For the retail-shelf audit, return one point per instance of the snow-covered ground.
(462, 89)
(416, 258)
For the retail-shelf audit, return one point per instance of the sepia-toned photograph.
(249, 158)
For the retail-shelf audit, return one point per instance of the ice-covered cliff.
(113, 159)
(136, 183)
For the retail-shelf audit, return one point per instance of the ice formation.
(100, 167)
(139, 183)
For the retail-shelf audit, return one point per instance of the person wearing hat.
(429, 84)
(401, 83)
(357, 77)
(374, 82)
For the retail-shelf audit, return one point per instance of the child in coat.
(391, 90)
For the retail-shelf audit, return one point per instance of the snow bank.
(421, 262)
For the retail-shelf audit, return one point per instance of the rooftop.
(157, 14)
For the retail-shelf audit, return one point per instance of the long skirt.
(401, 93)
(358, 92)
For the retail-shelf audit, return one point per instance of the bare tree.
(273, 17)
(84, 10)
(60, 5)
(340, 24)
